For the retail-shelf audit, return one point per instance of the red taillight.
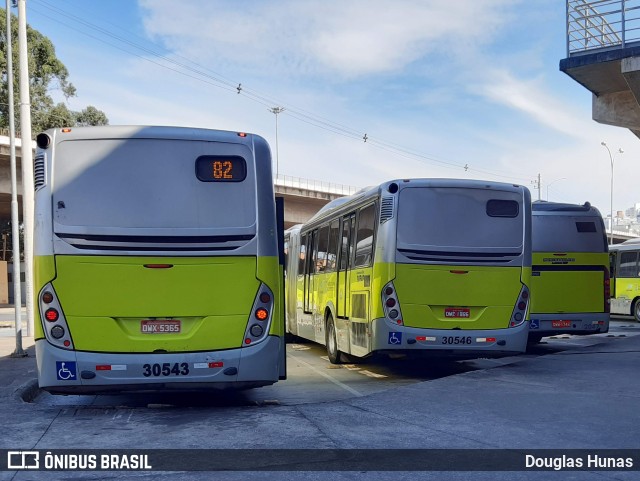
(262, 314)
(388, 291)
(247, 341)
(391, 302)
(51, 315)
(265, 297)
(47, 297)
(522, 305)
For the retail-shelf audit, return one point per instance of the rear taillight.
(55, 326)
(607, 291)
(260, 318)
(519, 314)
(391, 304)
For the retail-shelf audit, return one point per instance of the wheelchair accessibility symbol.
(535, 324)
(395, 338)
(66, 371)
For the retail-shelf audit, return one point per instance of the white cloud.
(332, 37)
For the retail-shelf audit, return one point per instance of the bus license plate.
(560, 323)
(456, 312)
(160, 327)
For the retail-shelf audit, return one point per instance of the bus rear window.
(152, 184)
(502, 208)
(586, 227)
(449, 217)
(567, 233)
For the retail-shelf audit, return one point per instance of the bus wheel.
(534, 339)
(332, 342)
(636, 310)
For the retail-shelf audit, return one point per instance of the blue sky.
(435, 85)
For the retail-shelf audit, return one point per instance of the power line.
(189, 68)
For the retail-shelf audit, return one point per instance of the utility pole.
(276, 111)
(15, 219)
(536, 185)
(27, 162)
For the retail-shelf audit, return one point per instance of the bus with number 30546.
(156, 260)
(414, 266)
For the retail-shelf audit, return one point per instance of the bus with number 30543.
(414, 266)
(156, 260)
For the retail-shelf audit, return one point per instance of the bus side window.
(346, 244)
(303, 250)
(628, 264)
(364, 236)
(332, 250)
(323, 242)
(286, 256)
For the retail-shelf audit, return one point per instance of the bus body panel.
(254, 365)
(463, 343)
(486, 294)
(570, 268)
(110, 200)
(572, 287)
(485, 271)
(625, 278)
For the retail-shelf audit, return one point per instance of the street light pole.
(15, 219)
(553, 182)
(276, 111)
(604, 144)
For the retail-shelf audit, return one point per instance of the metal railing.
(314, 185)
(601, 24)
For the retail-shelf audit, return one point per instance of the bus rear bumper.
(575, 323)
(466, 343)
(74, 372)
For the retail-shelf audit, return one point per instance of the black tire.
(335, 356)
(534, 339)
(636, 310)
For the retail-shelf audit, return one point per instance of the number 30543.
(166, 369)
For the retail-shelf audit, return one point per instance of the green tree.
(46, 73)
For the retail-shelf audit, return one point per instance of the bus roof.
(373, 191)
(545, 206)
(149, 132)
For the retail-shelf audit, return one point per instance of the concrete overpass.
(603, 55)
(5, 176)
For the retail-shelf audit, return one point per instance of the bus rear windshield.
(556, 233)
(452, 217)
(149, 183)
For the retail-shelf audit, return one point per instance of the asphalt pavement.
(586, 398)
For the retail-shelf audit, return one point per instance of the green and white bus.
(156, 260)
(414, 266)
(570, 272)
(625, 278)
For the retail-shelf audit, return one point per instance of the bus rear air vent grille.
(386, 209)
(38, 172)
